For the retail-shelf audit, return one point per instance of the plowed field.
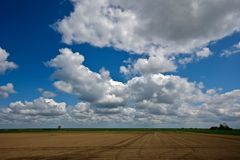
(118, 146)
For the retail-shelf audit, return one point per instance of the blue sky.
(32, 32)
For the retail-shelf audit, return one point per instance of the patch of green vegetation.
(235, 132)
(194, 130)
(82, 129)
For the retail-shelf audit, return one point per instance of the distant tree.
(222, 126)
(214, 128)
(59, 127)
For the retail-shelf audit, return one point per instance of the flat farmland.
(113, 145)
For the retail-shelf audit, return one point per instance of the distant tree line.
(222, 126)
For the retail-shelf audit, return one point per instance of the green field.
(194, 130)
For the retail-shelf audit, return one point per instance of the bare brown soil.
(118, 146)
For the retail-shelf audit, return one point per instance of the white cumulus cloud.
(147, 99)
(154, 27)
(204, 53)
(46, 94)
(75, 78)
(4, 63)
(41, 109)
(7, 89)
(139, 25)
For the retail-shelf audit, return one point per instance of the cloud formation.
(235, 49)
(149, 98)
(4, 63)
(150, 65)
(73, 77)
(139, 26)
(201, 110)
(204, 53)
(161, 29)
(39, 110)
(46, 94)
(7, 89)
